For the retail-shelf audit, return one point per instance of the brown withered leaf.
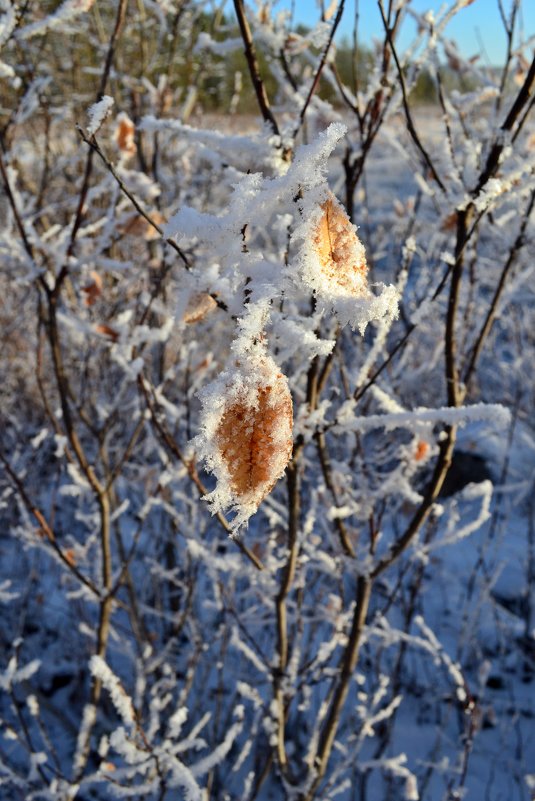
(124, 135)
(340, 252)
(454, 63)
(199, 306)
(449, 223)
(421, 451)
(136, 225)
(107, 331)
(93, 290)
(255, 440)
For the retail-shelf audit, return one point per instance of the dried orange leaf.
(332, 263)
(124, 135)
(247, 435)
(136, 225)
(340, 251)
(151, 233)
(107, 331)
(199, 306)
(449, 223)
(422, 449)
(93, 290)
(253, 456)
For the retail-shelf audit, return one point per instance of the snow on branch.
(257, 149)
(5, 594)
(256, 197)
(68, 11)
(494, 412)
(329, 259)
(15, 675)
(8, 22)
(205, 42)
(121, 701)
(456, 532)
(396, 767)
(97, 113)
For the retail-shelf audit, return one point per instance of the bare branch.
(254, 70)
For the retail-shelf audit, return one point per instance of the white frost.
(67, 12)
(97, 113)
(120, 699)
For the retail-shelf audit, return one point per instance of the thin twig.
(493, 158)
(287, 578)
(254, 70)
(44, 526)
(493, 308)
(94, 145)
(11, 198)
(408, 115)
(326, 469)
(345, 676)
(439, 474)
(117, 28)
(319, 70)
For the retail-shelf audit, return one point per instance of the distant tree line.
(198, 78)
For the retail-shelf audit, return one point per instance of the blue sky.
(479, 23)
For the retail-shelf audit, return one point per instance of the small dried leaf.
(422, 449)
(264, 15)
(202, 365)
(93, 290)
(399, 207)
(255, 458)
(165, 100)
(454, 63)
(247, 434)
(107, 331)
(199, 306)
(124, 135)
(340, 251)
(332, 263)
(449, 223)
(151, 233)
(136, 225)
